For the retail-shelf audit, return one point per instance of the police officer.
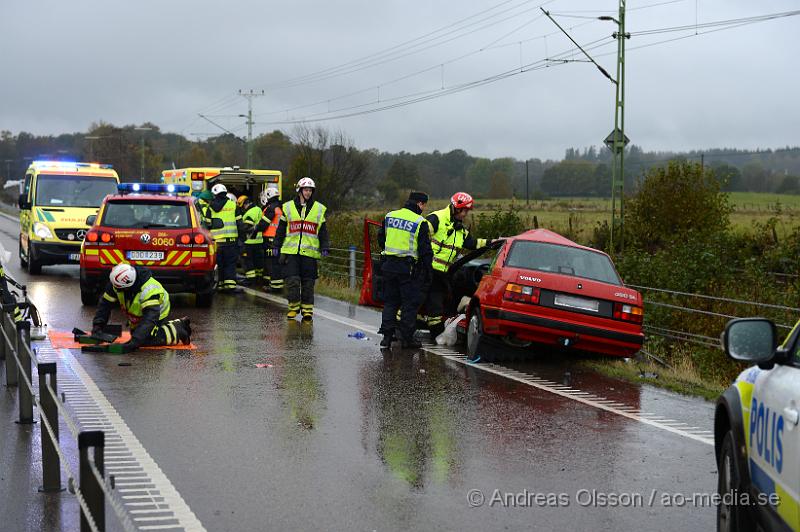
(226, 237)
(302, 238)
(406, 268)
(253, 222)
(273, 278)
(448, 237)
(147, 306)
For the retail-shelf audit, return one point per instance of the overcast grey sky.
(65, 65)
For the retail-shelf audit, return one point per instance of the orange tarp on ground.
(66, 340)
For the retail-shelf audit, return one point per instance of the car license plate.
(146, 255)
(591, 305)
(76, 257)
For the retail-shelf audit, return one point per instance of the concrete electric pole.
(249, 96)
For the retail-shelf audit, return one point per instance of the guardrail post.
(24, 357)
(91, 490)
(51, 464)
(12, 378)
(352, 267)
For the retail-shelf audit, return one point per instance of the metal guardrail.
(93, 489)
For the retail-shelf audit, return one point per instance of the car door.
(775, 436)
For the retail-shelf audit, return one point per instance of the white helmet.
(268, 194)
(305, 182)
(219, 188)
(231, 197)
(122, 276)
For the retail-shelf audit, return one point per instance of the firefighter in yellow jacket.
(448, 237)
(302, 239)
(147, 306)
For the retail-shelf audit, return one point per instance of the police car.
(756, 431)
(153, 225)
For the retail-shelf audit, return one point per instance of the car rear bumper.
(47, 253)
(174, 281)
(529, 327)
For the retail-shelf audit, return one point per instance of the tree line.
(354, 177)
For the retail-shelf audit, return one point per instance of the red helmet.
(462, 200)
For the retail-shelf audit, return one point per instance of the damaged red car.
(542, 288)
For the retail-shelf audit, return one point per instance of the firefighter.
(273, 278)
(448, 237)
(202, 200)
(146, 304)
(302, 238)
(406, 268)
(253, 222)
(226, 238)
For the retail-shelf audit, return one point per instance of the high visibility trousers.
(300, 294)
(227, 255)
(254, 261)
(434, 303)
(171, 332)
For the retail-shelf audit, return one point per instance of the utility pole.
(142, 129)
(617, 137)
(8, 169)
(527, 196)
(249, 96)
(616, 140)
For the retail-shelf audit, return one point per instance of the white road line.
(534, 381)
(120, 438)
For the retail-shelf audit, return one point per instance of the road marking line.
(121, 439)
(534, 381)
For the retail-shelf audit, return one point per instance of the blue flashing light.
(153, 188)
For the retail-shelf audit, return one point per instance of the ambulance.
(238, 181)
(56, 199)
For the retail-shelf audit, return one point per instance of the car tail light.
(199, 239)
(91, 236)
(106, 237)
(521, 294)
(185, 239)
(630, 313)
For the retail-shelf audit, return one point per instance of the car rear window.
(146, 214)
(562, 259)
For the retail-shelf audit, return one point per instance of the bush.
(498, 223)
(674, 204)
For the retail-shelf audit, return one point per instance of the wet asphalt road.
(336, 435)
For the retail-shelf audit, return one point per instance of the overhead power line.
(421, 96)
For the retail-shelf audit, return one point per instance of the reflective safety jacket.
(272, 228)
(303, 229)
(402, 232)
(252, 217)
(448, 239)
(226, 212)
(146, 304)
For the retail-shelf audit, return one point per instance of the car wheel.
(34, 266)
(204, 300)
(88, 297)
(731, 517)
(476, 338)
(22, 262)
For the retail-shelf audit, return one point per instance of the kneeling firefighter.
(146, 304)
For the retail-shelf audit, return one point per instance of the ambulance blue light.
(153, 188)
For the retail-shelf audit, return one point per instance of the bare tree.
(331, 159)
